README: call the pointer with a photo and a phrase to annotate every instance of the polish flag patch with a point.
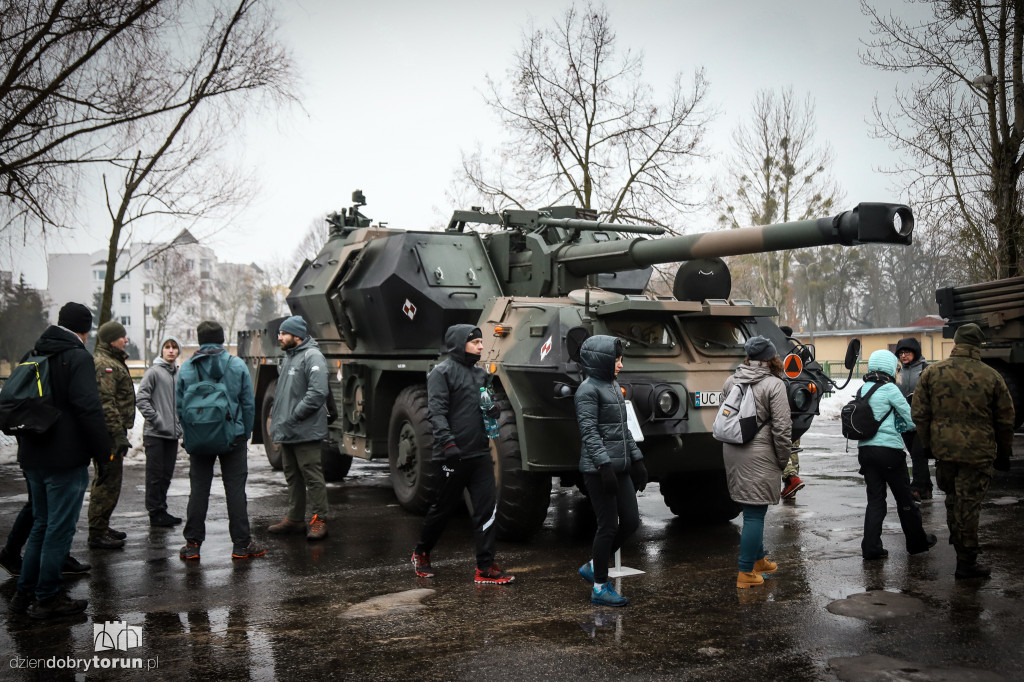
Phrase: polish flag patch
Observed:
(409, 309)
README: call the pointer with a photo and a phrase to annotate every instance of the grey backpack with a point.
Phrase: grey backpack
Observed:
(736, 421)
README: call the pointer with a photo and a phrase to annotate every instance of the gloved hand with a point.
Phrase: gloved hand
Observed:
(638, 473)
(452, 454)
(494, 411)
(608, 480)
(1002, 463)
(121, 444)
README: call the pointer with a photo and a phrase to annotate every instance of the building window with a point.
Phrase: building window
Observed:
(98, 274)
(191, 310)
(148, 265)
(126, 320)
(147, 288)
(149, 334)
(126, 298)
(190, 334)
(124, 274)
(190, 264)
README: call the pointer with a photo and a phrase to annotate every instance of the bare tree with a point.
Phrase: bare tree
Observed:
(73, 72)
(583, 127)
(312, 241)
(776, 173)
(237, 60)
(170, 279)
(961, 124)
(237, 295)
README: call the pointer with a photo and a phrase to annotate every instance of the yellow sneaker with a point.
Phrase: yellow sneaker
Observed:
(749, 579)
(765, 565)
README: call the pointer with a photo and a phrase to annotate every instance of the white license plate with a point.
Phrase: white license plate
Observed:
(708, 398)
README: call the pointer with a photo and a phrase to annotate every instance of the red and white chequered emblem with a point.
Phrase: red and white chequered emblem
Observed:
(409, 309)
(545, 349)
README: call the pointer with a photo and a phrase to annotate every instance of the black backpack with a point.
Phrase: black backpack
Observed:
(858, 420)
(26, 401)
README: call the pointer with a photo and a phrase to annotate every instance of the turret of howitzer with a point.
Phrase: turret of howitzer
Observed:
(385, 291)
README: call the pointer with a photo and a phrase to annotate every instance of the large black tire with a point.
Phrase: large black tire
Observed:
(273, 451)
(523, 497)
(414, 477)
(1013, 384)
(701, 497)
(336, 465)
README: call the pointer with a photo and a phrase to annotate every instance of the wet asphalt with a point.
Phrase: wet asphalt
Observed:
(350, 607)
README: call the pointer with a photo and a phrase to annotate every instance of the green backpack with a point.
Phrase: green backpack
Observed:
(207, 425)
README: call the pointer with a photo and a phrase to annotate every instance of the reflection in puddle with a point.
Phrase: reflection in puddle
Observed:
(604, 620)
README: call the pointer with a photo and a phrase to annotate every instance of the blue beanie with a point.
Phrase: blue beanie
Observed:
(295, 326)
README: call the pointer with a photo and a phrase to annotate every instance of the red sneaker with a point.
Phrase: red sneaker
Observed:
(493, 575)
(793, 484)
(421, 564)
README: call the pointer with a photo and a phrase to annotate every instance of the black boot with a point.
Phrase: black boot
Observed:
(965, 570)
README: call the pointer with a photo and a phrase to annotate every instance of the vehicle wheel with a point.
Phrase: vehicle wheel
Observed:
(701, 497)
(336, 465)
(414, 477)
(1013, 384)
(273, 451)
(523, 497)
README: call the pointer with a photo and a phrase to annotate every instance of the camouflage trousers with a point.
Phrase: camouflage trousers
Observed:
(965, 486)
(104, 493)
(793, 466)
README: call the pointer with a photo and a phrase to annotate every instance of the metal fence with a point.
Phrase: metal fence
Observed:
(837, 370)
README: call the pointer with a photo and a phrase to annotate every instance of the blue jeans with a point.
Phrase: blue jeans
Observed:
(57, 496)
(752, 537)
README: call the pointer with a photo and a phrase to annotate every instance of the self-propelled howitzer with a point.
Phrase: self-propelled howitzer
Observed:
(378, 300)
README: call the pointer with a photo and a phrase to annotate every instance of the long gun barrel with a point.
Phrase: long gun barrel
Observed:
(868, 223)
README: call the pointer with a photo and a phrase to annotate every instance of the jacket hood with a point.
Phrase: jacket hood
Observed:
(597, 355)
(883, 361)
(56, 339)
(455, 341)
(751, 374)
(911, 344)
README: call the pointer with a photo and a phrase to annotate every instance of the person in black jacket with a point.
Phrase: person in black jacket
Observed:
(908, 351)
(612, 464)
(56, 465)
(460, 443)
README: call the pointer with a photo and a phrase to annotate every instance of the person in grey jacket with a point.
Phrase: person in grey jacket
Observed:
(883, 462)
(752, 469)
(612, 464)
(155, 402)
(908, 351)
(462, 447)
(298, 423)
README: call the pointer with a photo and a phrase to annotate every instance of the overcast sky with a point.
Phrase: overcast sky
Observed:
(391, 92)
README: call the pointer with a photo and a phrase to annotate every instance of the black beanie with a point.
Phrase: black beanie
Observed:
(76, 317)
(209, 331)
(475, 334)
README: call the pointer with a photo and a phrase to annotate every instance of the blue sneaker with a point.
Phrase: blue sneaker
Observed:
(607, 596)
(587, 573)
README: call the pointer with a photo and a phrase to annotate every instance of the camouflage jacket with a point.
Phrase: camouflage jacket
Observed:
(963, 410)
(116, 390)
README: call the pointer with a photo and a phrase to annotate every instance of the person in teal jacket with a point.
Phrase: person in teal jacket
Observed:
(883, 462)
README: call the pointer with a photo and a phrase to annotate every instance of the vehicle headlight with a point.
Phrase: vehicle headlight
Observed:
(800, 399)
(667, 403)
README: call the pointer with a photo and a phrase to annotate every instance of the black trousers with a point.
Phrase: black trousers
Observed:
(921, 477)
(160, 456)
(477, 475)
(617, 519)
(881, 467)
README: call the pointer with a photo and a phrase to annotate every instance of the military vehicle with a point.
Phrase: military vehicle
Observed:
(998, 308)
(537, 283)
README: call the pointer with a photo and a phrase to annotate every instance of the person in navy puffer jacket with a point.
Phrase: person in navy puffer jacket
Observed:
(610, 461)
(883, 462)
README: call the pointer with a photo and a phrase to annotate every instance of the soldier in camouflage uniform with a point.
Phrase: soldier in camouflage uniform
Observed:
(964, 415)
(118, 397)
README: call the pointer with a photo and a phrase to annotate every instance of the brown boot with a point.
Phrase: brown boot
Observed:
(765, 565)
(749, 579)
(287, 526)
(317, 528)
